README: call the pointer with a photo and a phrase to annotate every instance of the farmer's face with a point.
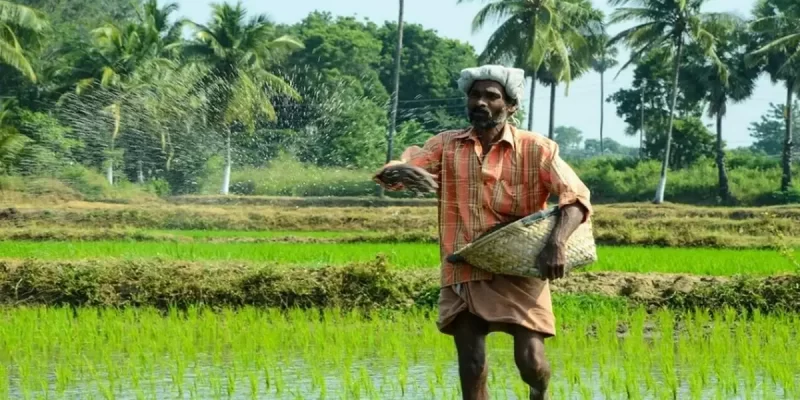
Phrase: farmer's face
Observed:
(487, 105)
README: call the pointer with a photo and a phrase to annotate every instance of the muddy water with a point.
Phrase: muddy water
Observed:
(373, 379)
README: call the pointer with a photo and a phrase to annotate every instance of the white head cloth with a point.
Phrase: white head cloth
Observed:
(512, 79)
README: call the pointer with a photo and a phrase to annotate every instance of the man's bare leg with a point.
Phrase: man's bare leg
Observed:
(532, 362)
(469, 332)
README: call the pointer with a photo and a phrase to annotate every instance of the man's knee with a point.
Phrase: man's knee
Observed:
(535, 372)
(472, 365)
(532, 363)
(470, 335)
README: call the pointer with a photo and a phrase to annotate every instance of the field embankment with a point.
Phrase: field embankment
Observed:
(372, 285)
(401, 256)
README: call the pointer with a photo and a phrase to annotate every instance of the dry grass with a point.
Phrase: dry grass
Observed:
(664, 225)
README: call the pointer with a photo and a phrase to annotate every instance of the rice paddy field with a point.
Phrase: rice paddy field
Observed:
(606, 347)
(604, 352)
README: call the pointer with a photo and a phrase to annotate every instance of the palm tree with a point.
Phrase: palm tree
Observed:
(162, 37)
(551, 74)
(547, 77)
(530, 29)
(238, 54)
(109, 65)
(578, 32)
(17, 23)
(605, 59)
(731, 35)
(160, 80)
(11, 141)
(664, 23)
(168, 105)
(777, 30)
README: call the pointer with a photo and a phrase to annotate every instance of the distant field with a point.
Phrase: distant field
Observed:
(617, 224)
(401, 255)
(200, 234)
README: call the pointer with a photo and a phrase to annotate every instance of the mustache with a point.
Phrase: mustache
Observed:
(483, 118)
(480, 112)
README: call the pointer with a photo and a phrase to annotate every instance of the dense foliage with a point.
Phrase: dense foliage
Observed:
(132, 91)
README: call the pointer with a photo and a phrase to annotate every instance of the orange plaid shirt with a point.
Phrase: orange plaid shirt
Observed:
(514, 179)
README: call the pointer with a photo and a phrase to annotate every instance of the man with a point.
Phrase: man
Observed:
(488, 174)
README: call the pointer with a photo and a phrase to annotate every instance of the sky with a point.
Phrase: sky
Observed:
(580, 108)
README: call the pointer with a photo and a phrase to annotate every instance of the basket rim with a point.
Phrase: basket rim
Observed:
(527, 220)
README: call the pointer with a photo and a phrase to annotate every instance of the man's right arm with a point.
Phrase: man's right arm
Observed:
(428, 157)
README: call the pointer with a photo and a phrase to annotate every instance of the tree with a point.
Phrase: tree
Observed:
(769, 132)
(579, 32)
(691, 140)
(115, 59)
(777, 32)
(664, 23)
(116, 70)
(105, 69)
(430, 66)
(647, 102)
(238, 83)
(168, 109)
(19, 24)
(395, 89)
(592, 147)
(345, 66)
(530, 30)
(716, 88)
(11, 141)
(68, 34)
(605, 59)
(568, 137)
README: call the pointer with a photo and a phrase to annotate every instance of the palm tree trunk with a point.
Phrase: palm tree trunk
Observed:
(786, 179)
(533, 77)
(602, 108)
(641, 128)
(662, 184)
(552, 128)
(724, 189)
(530, 102)
(139, 172)
(110, 167)
(110, 172)
(226, 179)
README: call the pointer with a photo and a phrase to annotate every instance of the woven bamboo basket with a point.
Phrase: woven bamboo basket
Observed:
(512, 249)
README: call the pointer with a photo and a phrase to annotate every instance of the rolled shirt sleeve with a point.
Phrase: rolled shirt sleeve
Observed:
(562, 181)
(427, 157)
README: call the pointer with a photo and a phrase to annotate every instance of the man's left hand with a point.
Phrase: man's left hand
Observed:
(552, 260)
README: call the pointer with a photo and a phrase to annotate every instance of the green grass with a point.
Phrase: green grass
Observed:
(401, 255)
(201, 234)
(251, 353)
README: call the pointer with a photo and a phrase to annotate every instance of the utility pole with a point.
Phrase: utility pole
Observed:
(395, 94)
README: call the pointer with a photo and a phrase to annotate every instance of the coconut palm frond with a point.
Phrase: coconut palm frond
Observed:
(11, 56)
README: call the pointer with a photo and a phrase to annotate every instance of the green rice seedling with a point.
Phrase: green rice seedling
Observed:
(251, 353)
(4, 381)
